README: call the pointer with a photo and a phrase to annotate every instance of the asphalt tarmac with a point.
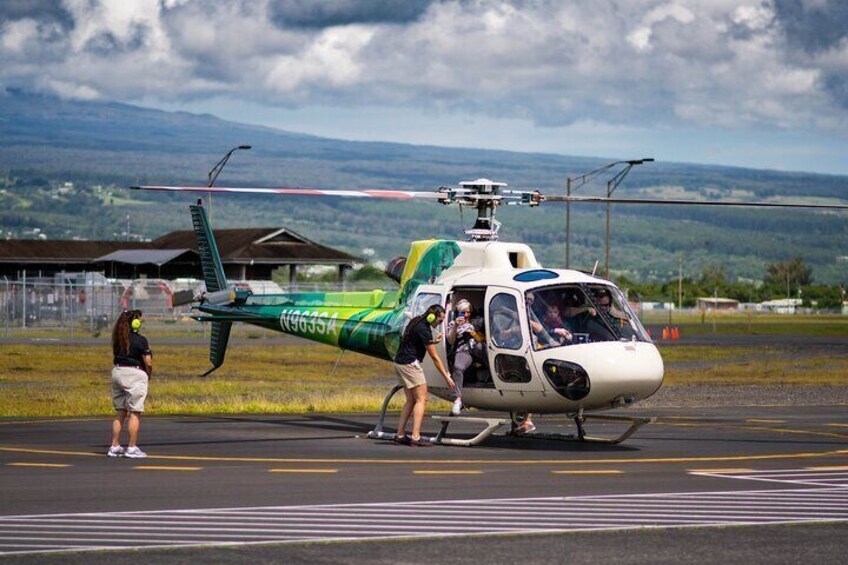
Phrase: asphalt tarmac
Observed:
(745, 484)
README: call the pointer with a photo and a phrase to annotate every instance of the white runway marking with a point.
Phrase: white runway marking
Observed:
(281, 524)
(810, 476)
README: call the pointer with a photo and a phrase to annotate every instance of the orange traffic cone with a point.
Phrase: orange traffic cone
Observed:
(665, 332)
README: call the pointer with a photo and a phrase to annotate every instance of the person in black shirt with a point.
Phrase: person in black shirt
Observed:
(133, 366)
(416, 341)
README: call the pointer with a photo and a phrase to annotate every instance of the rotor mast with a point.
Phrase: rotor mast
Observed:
(486, 196)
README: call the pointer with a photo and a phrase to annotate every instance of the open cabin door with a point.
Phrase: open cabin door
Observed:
(508, 341)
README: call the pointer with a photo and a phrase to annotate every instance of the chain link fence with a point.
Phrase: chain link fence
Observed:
(90, 301)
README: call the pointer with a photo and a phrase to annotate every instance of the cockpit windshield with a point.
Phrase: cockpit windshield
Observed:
(580, 313)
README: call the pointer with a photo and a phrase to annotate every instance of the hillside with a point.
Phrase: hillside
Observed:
(104, 147)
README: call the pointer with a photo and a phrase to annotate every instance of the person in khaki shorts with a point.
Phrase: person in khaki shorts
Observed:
(416, 341)
(133, 365)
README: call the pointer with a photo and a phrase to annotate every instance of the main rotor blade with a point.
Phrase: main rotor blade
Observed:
(601, 200)
(376, 193)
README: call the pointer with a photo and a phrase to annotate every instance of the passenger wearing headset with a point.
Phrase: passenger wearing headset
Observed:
(416, 341)
(133, 365)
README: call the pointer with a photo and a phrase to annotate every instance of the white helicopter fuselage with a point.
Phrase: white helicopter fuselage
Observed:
(613, 364)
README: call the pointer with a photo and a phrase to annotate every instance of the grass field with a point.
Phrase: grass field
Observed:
(266, 376)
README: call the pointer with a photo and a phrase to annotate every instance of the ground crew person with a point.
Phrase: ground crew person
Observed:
(133, 365)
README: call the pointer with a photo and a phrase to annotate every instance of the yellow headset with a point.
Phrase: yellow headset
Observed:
(135, 324)
(431, 318)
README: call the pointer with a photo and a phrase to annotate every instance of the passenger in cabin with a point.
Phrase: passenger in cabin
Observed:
(614, 313)
(418, 340)
(541, 338)
(506, 332)
(468, 343)
(547, 331)
(555, 326)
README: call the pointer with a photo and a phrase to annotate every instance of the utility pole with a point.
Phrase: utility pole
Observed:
(216, 170)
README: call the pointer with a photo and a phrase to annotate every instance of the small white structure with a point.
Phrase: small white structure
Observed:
(783, 305)
(718, 304)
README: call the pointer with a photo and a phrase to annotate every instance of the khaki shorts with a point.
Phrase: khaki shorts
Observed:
(410, 376)
(129, 389)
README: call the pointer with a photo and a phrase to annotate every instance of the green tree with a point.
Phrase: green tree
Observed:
(788, 275)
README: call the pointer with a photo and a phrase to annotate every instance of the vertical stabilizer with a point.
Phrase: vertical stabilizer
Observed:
(210, 259)
(215, 279)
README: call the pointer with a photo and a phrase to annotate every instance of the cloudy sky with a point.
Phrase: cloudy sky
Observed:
(755, 83)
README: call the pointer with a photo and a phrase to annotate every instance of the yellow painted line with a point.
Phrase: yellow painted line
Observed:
(446, 472)
(441, 462)
(589, 472)
(38, 464)
(164, 468)
(839, 425)
(763, 421)
(826, 468)
(761, 429)
(727, 470)
(304, 471)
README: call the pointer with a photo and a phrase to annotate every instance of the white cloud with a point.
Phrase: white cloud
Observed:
(639, 63)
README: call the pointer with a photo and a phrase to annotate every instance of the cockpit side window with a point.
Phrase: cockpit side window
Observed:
(615, 310)
(569, 314)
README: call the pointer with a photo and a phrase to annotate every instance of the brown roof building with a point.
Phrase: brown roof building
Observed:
(248, 253)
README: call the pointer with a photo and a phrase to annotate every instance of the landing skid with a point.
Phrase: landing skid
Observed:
(635, 424)
(493, 424)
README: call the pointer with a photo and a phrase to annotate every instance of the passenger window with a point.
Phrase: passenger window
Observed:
(503, 316)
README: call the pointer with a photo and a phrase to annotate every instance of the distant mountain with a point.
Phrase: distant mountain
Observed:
(104, 147)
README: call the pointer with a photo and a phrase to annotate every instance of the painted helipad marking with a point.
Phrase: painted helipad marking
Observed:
(304, 471)
(339, 522)
(447, 472)
(727, 470)
(164, 468)
(588, 472)
(443, 462)
(813, 476)
(48, 465)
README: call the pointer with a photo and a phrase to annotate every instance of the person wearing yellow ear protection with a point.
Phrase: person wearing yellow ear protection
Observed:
(133, 365)
(418, 340)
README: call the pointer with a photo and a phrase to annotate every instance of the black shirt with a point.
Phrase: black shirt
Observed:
(138, 349)
(415, 346)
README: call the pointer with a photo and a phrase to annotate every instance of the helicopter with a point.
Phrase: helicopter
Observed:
(606, 360)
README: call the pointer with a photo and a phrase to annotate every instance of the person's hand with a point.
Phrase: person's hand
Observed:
(449, 381)
(460, 320)
(439, 336)
(562, 332)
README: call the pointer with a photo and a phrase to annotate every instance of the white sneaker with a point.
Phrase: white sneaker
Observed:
(115, 451)
(457, 407)
(134, 452)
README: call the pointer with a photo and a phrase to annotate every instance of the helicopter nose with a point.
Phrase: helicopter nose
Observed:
(604, 374)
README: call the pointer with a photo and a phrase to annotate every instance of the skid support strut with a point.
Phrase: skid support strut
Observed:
(492, 425)
(580, 419)
(377, 432)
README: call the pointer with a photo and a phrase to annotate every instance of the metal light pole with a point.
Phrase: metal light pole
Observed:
(612, 184)
(575, 182)
(216, 170)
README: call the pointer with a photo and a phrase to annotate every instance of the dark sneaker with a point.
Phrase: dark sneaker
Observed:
(403, 440)
(420, 442)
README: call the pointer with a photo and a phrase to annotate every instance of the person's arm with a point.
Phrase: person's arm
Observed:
(452, 331)
(148, 364)
(431, 350)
